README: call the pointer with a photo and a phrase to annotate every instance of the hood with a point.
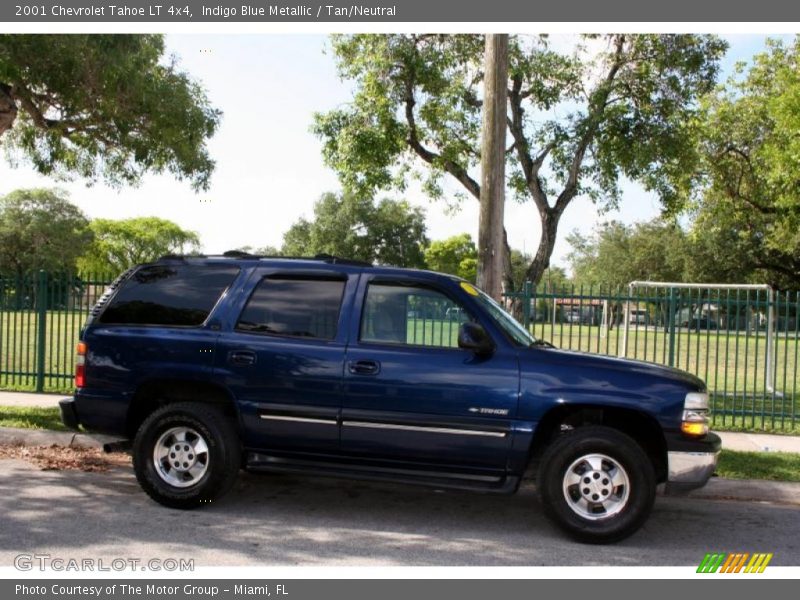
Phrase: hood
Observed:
(609, 367)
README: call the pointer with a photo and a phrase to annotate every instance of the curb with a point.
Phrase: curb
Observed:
(749, 490)
(47, 437)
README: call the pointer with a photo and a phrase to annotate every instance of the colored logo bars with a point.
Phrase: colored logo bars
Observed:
(734, 563)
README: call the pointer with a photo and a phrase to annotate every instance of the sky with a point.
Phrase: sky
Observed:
(269, 167)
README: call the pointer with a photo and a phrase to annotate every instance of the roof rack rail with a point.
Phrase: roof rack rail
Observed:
(337, 260)
(238, 254)
(234, 254)
(171, 257)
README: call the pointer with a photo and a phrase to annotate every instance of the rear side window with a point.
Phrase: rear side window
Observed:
(176, 295)
(307, 308)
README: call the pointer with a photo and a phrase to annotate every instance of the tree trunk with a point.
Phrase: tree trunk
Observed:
(508, 274)
(491, 242)
(549, 220)
(8, 109)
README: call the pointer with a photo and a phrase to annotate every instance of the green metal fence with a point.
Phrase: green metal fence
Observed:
(41, 315)
(742, 340)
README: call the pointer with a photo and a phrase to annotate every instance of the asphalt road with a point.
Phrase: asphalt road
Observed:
(280, 519)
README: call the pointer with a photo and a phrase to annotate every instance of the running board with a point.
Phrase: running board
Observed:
(456, 481)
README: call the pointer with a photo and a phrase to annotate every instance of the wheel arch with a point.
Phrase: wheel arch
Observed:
(643, 428)
(156, 393)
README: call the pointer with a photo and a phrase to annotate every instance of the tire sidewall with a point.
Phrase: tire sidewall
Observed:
(208, 424)
(622, 449)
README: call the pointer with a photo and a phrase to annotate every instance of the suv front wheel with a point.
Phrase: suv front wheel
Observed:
(597, 484)
(186, 454)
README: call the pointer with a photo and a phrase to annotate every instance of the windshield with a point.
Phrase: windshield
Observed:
(505, 321)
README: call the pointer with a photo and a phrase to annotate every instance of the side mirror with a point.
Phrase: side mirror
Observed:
(472, 336)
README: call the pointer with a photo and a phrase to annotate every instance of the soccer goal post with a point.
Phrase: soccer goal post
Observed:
(671, 286)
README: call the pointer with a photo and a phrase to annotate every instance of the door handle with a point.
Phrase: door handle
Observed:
(242, 357)
(364, 367)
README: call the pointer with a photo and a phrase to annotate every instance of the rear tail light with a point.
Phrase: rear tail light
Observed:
(695, 415)
(80, 365)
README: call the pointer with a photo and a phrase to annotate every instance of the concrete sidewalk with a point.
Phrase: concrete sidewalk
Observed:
(30, 399)
(743, 442)
(45, 437)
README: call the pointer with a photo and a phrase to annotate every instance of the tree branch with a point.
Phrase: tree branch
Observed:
(736, 192)
(530, 166)
(33, 111)
(777, 265)
(8, 108)
(432, 158)
(591, 125)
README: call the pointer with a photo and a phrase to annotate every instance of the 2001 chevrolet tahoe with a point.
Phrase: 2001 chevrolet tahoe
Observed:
(329, 366)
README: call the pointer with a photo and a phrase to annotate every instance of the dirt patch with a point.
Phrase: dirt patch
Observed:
(60, 458)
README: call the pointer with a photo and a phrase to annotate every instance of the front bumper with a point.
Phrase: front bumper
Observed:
(690, 464)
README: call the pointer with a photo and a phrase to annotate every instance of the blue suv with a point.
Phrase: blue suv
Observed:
(334, 367)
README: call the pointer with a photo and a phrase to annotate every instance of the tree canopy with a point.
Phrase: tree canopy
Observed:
(745, 198)
(40, 229)
(390, 232)
(610, 107)
(121, 244)
(456, 255)
(108, 107)
(616, 254)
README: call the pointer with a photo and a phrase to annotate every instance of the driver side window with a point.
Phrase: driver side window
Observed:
(410, 315)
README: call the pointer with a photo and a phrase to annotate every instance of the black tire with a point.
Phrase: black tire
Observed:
(214, 470)
(624, 502)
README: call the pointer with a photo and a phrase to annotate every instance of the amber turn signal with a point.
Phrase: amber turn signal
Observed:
(694, 428)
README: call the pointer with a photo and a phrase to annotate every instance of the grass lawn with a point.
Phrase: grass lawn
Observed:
(31, 418)
(775, 466)
(752, 424)
(18, 340)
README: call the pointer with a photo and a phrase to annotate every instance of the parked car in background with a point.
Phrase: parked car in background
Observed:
(699, 323)
(638, 316)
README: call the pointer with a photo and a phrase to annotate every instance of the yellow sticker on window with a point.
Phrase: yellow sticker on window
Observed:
(469, 288)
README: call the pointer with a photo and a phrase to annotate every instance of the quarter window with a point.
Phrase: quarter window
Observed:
(306, 308)
(411, 315)
(172, 295)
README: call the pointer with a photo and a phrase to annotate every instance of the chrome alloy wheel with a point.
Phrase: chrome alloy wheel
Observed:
(596, 487)
(181, 457)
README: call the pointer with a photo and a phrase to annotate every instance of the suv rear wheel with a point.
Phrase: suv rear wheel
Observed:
(597, 484)
(186, 454)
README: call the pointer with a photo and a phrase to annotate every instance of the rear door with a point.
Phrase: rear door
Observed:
(157, 326)
(283, 358)
(413, 396)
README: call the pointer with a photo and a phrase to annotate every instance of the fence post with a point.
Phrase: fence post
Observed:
(41, 329)
(671, 326)
(526, 308)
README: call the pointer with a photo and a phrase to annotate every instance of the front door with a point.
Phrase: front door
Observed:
(411, 395)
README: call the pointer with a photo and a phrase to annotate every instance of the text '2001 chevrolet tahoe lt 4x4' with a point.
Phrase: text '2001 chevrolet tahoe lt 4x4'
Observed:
(329, 366)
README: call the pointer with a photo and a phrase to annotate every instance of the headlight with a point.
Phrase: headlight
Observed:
(695, 415)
